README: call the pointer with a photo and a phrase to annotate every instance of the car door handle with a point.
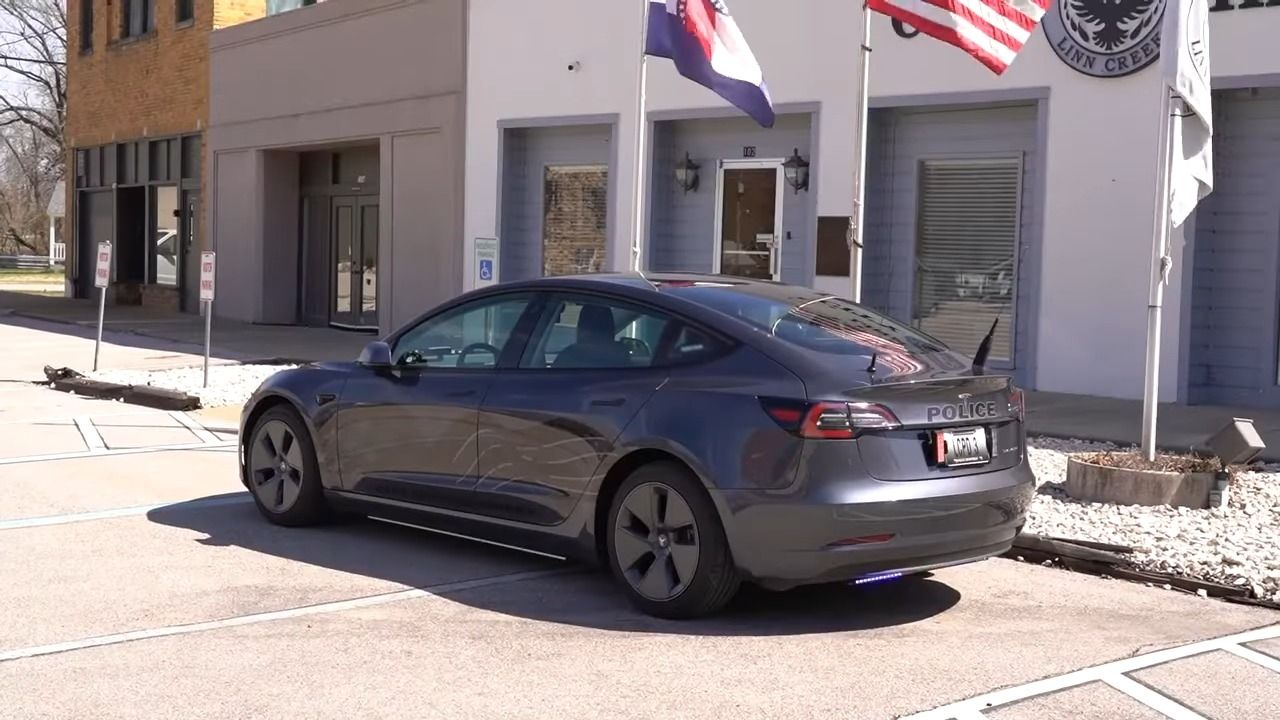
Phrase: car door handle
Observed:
(609, 402)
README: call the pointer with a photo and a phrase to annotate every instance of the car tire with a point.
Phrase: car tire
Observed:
(666, 545)
(282, 472)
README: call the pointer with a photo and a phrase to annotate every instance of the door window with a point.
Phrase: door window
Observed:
(581, 333)
(749, 222)
(472, 336)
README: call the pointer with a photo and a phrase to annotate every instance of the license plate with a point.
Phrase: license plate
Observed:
(958, 448)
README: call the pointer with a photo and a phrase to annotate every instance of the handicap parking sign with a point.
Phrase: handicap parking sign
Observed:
(486, 269)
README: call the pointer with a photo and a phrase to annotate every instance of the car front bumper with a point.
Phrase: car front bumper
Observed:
(863, 528)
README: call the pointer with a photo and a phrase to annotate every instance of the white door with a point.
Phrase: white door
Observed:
(748, 239)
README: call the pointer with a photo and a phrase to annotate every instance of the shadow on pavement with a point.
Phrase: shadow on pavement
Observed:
(588, 598)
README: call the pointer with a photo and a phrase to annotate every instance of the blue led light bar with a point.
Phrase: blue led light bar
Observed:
(877, 578)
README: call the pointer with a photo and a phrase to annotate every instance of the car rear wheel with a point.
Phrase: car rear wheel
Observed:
(667, 546)
(284, 475)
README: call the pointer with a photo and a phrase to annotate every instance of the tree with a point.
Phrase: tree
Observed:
(33, 104)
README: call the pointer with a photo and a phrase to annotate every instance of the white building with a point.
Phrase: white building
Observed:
(1029, 196)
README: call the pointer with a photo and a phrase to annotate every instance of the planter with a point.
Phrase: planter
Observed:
(1123, 486)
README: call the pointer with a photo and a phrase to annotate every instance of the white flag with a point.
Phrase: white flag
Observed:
(1184, 60)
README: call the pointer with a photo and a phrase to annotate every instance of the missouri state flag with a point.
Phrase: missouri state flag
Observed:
(704, 42)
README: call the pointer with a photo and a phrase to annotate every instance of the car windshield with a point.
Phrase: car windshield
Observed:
(812, 320)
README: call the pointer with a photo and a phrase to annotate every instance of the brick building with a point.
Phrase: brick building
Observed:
(137, 110)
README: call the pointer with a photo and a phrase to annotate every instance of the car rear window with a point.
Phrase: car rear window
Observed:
(812, 320)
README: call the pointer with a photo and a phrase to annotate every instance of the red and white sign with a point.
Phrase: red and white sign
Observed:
(206, 276)
(102, 270)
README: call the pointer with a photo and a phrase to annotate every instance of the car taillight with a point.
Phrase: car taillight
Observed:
(1018, 403)
(828, 420)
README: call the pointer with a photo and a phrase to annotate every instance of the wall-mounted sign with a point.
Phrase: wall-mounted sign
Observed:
(1223, 5)
(1105, 38)
(749, 151)
(486, 261)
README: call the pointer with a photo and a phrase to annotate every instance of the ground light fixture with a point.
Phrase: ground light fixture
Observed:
(796, 170)
(687, 174)
(1237, 443)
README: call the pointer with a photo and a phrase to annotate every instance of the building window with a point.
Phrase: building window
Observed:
(833, 246)
(967, 237)
(86, 25)
(574, 210)
(138, 17)
(275, 7)
(166, 239)
(184, 11)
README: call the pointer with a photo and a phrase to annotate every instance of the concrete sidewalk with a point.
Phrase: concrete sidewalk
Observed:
(231, 340)
(1181, 428)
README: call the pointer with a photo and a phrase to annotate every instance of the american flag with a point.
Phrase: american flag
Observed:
(993, 31)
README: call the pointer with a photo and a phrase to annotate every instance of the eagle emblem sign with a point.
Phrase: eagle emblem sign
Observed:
(1105, 38)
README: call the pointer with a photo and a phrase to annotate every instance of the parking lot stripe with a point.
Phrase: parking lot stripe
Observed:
(195, 427)
(428, 592)
(997, 698)
(1160, 703)
(121, 451)
(92, 438)
(1255, 657)
(68, 518)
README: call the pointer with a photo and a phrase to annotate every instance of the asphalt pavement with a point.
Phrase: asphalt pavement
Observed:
(140, 582)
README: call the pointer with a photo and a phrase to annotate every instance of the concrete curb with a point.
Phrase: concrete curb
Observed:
(145, 395)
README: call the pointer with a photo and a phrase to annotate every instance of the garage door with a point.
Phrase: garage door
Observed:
(1236, 265)
(950, 208)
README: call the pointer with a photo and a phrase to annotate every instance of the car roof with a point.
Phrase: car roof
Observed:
(659, 282)
(656, 289)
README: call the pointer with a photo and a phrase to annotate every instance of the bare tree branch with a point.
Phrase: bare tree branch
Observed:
(33, 82)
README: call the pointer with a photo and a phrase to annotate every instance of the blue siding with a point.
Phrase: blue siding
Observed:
(682, 226)
(1235, 294)
(526, 152)
(897, 141)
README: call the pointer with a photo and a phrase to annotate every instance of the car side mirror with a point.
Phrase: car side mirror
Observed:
(376, 354)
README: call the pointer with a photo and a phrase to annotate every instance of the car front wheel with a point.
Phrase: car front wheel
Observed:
(283, 473)
(667, 546)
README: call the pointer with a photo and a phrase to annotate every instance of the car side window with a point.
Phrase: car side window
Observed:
(472, 336)
(591, 333)
(691, 345)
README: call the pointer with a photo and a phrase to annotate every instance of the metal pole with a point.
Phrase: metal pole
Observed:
(637, 208)
(856, 231)
(208, 331)
(102, 311)
(1160, 263)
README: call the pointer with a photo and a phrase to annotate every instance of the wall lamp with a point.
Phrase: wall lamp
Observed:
(796, 170)
(687, 174)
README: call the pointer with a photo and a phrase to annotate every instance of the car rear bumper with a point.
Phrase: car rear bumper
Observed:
(872, 527)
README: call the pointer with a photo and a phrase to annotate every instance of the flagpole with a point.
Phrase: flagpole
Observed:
(637, 207)
(1159, 268)
(856, 232)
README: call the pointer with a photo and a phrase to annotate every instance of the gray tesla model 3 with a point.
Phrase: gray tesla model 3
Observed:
(691, 432)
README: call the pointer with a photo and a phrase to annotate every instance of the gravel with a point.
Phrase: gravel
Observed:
(228, 384)
(1235, 545)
